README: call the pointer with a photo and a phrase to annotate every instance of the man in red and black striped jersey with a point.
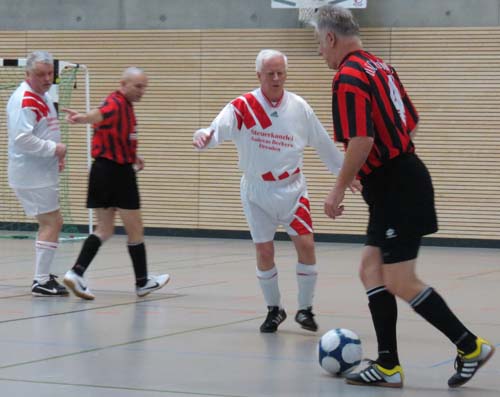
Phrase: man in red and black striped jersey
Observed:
(375, 119)
(113, 184)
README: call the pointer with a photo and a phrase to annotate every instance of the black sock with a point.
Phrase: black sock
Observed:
(384, 310)
(138, 254)
(431, 306)
(87, 253)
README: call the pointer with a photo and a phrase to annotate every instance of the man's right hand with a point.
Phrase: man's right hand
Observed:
(332, 205)
(73, 117)
(92, 117)
(201, 138)
(60, 151)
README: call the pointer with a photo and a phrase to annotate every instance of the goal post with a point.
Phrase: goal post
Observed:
(13, 221)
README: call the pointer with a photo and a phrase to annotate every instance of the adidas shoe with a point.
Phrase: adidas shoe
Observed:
(49, 288)
(305, 318)
(153, 283)
(467, 365)
(376, 375)
(77, 285)
(275, 316)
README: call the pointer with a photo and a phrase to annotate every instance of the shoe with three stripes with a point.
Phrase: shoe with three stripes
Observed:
(376, 375)
(275, 316)
(305, 318)
(467, 365)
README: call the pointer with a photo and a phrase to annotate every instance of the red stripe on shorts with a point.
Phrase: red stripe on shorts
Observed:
(305, 215)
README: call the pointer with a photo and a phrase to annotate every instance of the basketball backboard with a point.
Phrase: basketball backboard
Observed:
(317, 3)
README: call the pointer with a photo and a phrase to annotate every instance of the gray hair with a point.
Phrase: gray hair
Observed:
(38, 56)
(264, 55)
(131, 72)
(335, 19)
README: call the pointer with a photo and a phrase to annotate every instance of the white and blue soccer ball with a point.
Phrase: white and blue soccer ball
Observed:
(339, 351)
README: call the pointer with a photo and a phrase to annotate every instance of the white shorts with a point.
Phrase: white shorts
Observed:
(38, 201)
(268, 205)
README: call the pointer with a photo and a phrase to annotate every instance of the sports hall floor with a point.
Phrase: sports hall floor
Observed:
(199, 336)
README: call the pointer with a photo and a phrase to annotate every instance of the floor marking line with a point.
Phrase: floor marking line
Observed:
(118, 388)
(132, 342)
(89, 308)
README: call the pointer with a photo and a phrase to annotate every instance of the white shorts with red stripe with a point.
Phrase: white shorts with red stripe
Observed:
(269, 204)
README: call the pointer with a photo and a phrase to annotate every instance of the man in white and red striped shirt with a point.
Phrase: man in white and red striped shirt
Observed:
(271, 127)
(36, 156)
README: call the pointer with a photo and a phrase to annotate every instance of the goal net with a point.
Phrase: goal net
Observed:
(13, 221)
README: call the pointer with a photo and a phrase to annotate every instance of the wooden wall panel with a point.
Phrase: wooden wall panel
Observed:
(452, 74)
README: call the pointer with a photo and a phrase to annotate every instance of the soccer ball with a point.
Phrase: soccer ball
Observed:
(339, 351)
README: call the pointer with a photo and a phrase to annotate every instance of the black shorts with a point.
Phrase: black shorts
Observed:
(112, 185)
(400, 198)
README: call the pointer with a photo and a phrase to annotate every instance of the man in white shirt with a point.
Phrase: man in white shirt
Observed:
(271, 127)
(36, 156)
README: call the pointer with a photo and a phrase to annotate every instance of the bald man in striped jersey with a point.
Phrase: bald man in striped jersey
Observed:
(113, 184)
(271, 127)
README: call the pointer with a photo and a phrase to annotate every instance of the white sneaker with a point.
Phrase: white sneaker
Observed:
(77, 285)
(154, 283)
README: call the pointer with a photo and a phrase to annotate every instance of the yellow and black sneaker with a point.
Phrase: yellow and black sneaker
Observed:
(376, 375)
(468, 364)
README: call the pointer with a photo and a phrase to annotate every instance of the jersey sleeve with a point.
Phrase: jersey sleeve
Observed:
(24, 141)
(351, 107)
(319, 139)
(224, 126)
(108, 110)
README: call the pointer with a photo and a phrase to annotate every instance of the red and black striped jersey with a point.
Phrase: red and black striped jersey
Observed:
(115, 137)
(369, 100)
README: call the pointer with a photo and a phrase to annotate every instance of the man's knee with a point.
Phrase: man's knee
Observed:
(307, 244)
(59, 221)
(370, 269)
(265, 255)
(305, 247)
(53, 220)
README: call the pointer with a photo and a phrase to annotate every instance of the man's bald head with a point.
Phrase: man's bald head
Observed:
(133, 83)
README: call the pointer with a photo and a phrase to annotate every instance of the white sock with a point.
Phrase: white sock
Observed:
(306, 281)
(45, 251)
(268, 281)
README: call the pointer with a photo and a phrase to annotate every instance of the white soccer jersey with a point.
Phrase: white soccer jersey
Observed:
(33, 134)
(271, 138)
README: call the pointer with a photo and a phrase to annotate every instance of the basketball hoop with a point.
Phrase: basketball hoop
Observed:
(306, 14)
(307, 8)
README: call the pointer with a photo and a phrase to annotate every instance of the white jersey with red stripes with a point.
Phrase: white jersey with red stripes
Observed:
(33, 134)
(271, 137)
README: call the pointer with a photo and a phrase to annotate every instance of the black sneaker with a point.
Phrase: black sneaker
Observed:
(305, 318)
(50, 288)
(275, 316)
(468, 364)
